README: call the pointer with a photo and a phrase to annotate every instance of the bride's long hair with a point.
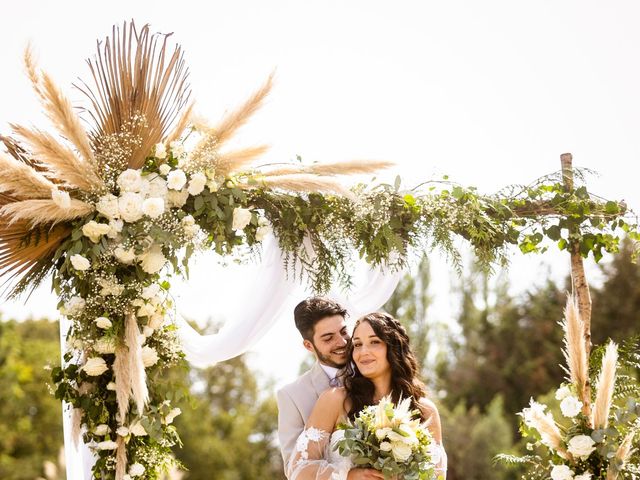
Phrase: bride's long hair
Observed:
(404, 367)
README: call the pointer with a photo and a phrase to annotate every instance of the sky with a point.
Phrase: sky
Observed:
(489, 93)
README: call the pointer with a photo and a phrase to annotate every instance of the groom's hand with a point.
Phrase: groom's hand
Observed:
(364, 474)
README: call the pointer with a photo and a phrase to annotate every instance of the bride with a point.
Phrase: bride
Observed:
(380, 363)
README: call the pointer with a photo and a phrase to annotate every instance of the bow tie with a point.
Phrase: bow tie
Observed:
(335, 382)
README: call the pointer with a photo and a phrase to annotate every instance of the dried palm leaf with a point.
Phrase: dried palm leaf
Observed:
(60, 162)
(237, 118)
(181, 125)
(302, 183)
(58, 108)
(604, 387)
(44, 212)
(137, 92)
(21, 181)
(352, 167)
(574, 351)
(17, 151)
(234, 161)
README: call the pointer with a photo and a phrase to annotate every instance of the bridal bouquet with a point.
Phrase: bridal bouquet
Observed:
(391, 439)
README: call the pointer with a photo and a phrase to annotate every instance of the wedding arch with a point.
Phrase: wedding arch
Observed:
(113, 211)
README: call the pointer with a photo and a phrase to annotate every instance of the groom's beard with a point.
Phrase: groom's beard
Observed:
(332, 359)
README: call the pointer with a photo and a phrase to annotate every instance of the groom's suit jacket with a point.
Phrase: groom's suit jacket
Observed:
(295, 403)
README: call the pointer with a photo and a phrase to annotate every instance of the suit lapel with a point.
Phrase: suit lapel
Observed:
(319, 379)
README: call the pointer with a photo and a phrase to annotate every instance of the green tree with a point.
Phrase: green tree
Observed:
(30, 417)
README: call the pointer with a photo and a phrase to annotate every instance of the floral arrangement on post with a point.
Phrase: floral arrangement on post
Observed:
(594, 440)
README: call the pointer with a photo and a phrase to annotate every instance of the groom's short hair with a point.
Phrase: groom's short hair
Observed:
(310, 311)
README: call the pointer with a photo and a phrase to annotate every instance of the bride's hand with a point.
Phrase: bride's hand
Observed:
(364, 474)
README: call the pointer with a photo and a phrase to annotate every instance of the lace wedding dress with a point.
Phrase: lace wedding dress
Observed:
(314, 457)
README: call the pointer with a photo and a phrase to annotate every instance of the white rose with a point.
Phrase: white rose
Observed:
(136, 470)
(137, 429)
(153, 259)
(176, 180)
(115, 227)
(188, 221)
(400, 451)
(103, 322)
(382, 432)
(197, 183)
(171, 415)
(581, 446)
(124, 256)
(385, 446)
(262, 232)
(561, 472)
(130, 181)
(61, 198)
(101, 429)
(160, 151)
(80, 263)
(108, 445)
(583, 476)
(156, 321)
(95, 230)
(570, 406)
(147, 331)
(177, 198)
(176, 148)
(95, 366)
(241, 218)
(562, 393)
(150, 291)
(130, 206)
(108, 206)
(149, 356)
(105, 345)
(74, 306)
(111, 386)
(153, 207)
(157, 187)
(164, 169)
(146, 310)
(122, 431)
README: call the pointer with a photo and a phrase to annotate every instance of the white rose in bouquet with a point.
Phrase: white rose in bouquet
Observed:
(262, 232)
(164, 169)
(130, 181)
(103, 322)
(124, 256)
(105, 345)
(150, 291)
(95, 366)
(157, 187)
(130, 206)
(111, 386)
(137, 429)
(241, 218)
(177, 198)
(101, 429)
(149, 356)
(156, 321)
(160, 151)
(401, 451)
(176, 148)
(80, 263)
(561, 472)
(108, 206)
(136, 470)
(122, 431)
(153, 207)
(176, 180)
(197, 183)
(570, 406)
(153, 259)
(107, 445)
(61, 198)
(115, 227)
(562, 393)
(95, 230)
(581, 446)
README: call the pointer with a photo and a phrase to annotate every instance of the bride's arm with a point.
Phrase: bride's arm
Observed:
(433, 417)
(310, 458)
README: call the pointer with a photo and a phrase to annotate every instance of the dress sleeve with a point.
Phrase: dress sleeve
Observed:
(310, 460)
(439, 457)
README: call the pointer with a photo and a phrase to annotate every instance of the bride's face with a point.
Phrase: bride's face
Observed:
(369, 352)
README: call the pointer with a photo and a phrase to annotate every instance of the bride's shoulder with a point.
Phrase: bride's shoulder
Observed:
(428, 407)
(335, 395)
(328, 408)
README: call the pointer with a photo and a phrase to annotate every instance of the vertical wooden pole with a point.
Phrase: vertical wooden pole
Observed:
(579, 283)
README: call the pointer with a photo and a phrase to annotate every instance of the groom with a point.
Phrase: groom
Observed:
(321, 322)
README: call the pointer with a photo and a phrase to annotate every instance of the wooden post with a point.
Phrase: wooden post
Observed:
(579, 283)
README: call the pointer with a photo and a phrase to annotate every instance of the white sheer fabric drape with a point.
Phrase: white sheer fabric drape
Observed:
(270, 294)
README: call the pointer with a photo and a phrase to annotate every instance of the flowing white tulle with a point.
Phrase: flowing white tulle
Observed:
(270, 295)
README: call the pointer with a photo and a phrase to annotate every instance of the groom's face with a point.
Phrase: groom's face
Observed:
(329, 343)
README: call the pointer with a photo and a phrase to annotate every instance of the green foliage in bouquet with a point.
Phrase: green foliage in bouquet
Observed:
(391, 440)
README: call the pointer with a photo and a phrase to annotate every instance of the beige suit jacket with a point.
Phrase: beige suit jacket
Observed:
(295, 403)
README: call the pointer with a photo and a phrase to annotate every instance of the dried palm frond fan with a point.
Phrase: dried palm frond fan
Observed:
(138, 97)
